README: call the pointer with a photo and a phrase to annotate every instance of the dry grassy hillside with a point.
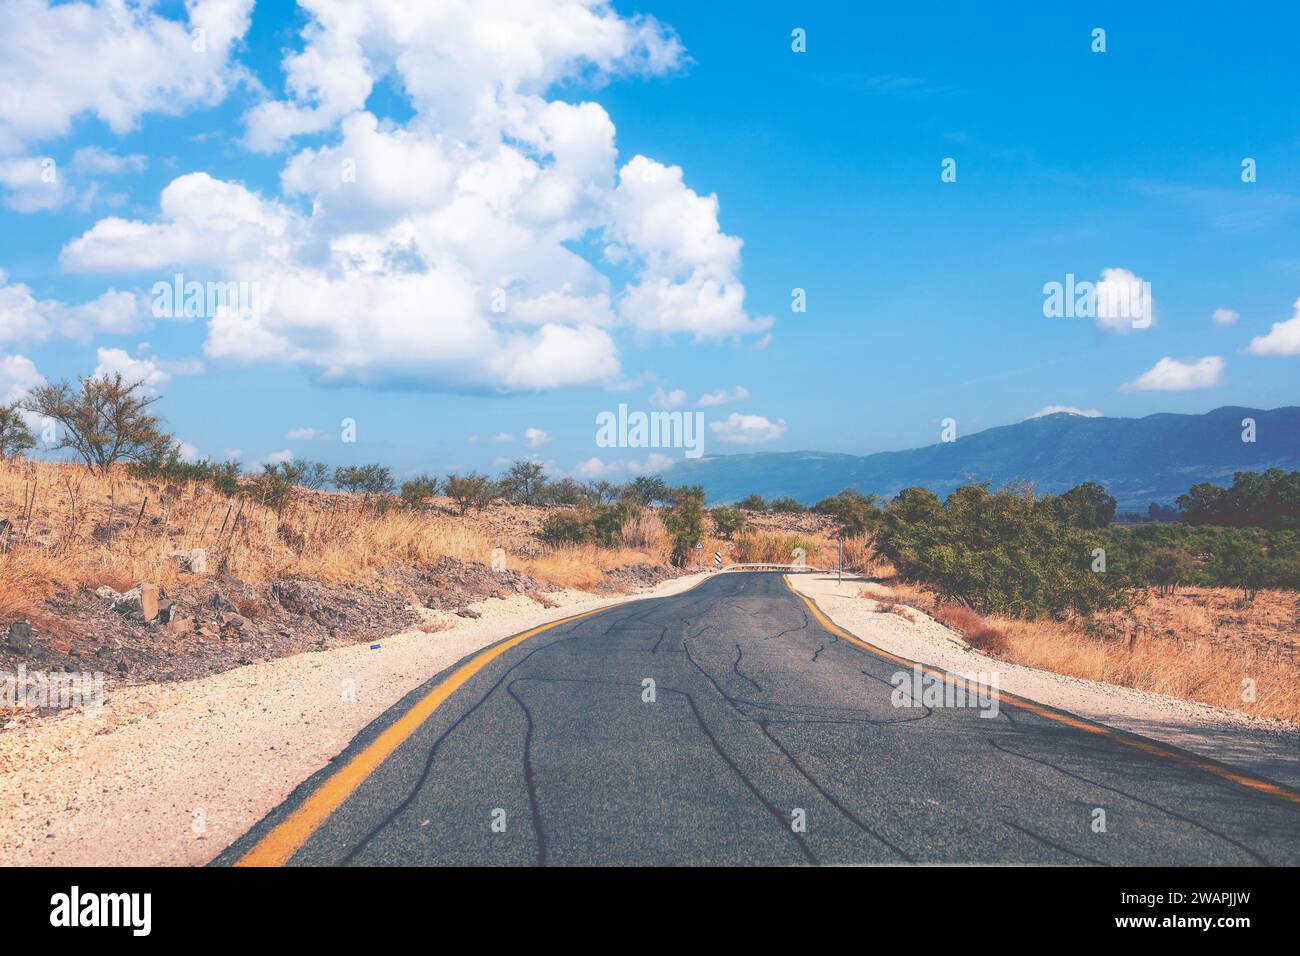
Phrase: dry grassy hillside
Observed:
(1204, 644)
(322, 569)
(331, 568)
(72, 529)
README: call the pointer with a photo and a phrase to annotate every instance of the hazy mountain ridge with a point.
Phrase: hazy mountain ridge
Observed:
(1138, 460)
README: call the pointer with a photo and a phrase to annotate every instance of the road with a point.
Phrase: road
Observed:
(767, 739)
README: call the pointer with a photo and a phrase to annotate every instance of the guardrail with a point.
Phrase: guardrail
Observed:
(774, 567)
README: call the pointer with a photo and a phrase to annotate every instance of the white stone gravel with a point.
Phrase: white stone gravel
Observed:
(170, 774)
(1269, 748)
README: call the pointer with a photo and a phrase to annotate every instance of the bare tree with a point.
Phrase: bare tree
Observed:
(102, 419)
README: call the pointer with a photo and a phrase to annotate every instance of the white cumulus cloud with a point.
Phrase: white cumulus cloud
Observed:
(146, 370)
(1172, 375)
(1067, 409)
(1124, 302)
(474, 65)
(33, 184)
(689, 269)
(464, 277)
(1225, 317)
(1282, 339)
(440, 252)
(109, 59)
(595, 469)
(738, 429)
(723, 397)
(105, 162)
(25, 318)
(205, 222)
(18, 376)
(668, 400)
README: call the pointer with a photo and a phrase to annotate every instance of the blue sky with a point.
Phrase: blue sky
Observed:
(924, 297)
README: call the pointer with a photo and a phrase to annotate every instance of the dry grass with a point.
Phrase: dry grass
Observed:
(1270, 622)
(765, 547)
(821, 549)
(645, 531)
(74, 529)
(580, 566)
(977, 630)
(1193, 656)
(859, 555)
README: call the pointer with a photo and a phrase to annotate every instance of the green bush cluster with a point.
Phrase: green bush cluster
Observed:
(594, 524)
(854, 513)
(729, 522)
(1007, 552)
(1166, 556)
(1270, 499)
(15, 436)
(1014, 553)
(684, 520)
(166, 464)
(417, 490)
(790, 506)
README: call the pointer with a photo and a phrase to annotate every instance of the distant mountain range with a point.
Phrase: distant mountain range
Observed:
(1138, 460)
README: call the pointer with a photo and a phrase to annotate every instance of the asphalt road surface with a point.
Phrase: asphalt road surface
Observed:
(769, 740)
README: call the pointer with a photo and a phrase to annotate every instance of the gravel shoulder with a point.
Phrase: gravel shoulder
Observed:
(1268, 748)
(171, 773)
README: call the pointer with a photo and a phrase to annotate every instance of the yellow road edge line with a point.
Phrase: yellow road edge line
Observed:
(1140, 743)
(287, 837)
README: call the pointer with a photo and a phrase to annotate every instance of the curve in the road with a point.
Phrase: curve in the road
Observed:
(762, 739)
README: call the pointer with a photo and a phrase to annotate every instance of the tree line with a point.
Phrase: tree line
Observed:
(1025, 555)
(1010, 550)
(1269, 499)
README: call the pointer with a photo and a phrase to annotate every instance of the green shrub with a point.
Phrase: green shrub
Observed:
(1002, 552)
(524, 483)
(597, 524)
(788, 506)
(566, 491)
(365, 479)
(167, 465)
(305, 474)
(1086, 506)
(685, 521)
(15, 436)
(419, 489)
(1215, 556)
(271, 488)
(1267, 500)
(647, 490)
(855, 514)
(606, 523)
(729, 522)
(1167, 568)
(564, 527)
(470, 491)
